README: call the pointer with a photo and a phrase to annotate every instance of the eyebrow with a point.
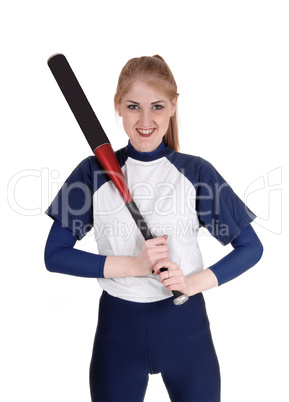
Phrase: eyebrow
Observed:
(153, 103)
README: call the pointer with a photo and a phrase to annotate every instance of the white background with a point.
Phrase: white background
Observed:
(230, 60)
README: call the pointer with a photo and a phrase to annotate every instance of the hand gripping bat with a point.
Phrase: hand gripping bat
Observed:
(98, 142)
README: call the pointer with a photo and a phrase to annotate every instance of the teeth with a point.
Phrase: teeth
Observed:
(145, 131)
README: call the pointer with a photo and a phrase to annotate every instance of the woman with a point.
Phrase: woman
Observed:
(140, 331)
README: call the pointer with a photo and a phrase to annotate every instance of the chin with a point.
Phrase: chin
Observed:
(146, 145)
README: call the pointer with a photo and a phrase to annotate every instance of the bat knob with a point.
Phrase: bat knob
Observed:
(180, 300)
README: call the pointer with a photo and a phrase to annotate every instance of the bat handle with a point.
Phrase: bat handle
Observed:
(179, 298)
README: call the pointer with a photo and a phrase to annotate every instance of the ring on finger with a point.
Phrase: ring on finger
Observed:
(170, 274)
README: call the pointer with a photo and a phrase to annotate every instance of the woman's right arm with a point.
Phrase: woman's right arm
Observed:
(61, 256)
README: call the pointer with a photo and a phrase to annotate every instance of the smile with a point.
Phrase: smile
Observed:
(145, 133)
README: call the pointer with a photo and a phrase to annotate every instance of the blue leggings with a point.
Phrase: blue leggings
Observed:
(134, 340)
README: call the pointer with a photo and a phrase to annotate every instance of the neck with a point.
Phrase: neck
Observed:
(161, 151)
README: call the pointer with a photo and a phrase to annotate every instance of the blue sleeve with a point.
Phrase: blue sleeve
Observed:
(219, 208)
(247, 252)
(73, 205)
(61, 257)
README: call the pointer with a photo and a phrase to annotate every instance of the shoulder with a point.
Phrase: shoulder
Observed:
(192, 166)
(86, 173)
(90, 172)
(88, 163)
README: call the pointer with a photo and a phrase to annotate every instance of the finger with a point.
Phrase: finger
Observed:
(158, 250)
(175, 283)
(157, 254)
(157, 259)
(158, 241)
(169, 276)
(176, 286)
(166, 263)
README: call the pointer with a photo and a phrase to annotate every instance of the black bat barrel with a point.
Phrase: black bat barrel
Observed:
(77, 101)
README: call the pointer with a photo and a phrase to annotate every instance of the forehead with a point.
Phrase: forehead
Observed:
(142, 91)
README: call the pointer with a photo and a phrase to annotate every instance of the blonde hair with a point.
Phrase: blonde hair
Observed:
(155, 72)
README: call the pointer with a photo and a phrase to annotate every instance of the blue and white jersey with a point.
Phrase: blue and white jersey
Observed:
(176, 193)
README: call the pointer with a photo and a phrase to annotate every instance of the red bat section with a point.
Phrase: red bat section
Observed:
(106, 157)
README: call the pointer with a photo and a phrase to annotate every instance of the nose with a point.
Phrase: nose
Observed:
(146, 119)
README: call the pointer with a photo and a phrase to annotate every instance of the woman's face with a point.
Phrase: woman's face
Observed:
(145, 116)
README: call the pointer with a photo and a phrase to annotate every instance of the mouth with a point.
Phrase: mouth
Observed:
(145, 133)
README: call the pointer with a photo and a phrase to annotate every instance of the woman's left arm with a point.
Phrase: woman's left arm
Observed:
(247, 252)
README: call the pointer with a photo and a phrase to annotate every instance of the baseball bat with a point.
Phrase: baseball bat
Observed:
(98, 142)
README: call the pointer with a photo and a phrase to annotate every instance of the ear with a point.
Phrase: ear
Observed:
(118, 109)
(174, 105)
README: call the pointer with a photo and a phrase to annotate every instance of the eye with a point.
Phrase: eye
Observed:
(133, 107)
(158, 107)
